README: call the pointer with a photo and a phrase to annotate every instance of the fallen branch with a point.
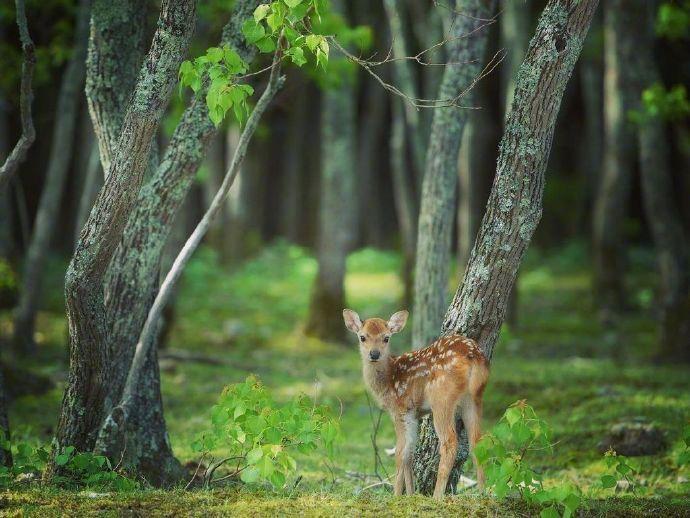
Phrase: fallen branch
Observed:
(28, 135)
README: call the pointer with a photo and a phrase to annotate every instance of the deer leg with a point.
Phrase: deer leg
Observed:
(444, 424)
(411, 431)
(472, 418)
(399, 451)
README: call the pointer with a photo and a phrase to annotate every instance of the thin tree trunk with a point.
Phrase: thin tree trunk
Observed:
(370, 164)
(515, 202)
(336, 219)
(26, 139)
(437, 210)
(5, 454)
(91, 364)
(620, 53)
(295, 150)
(663, 217)
(58, 163)
(237, 205)
(133, 281)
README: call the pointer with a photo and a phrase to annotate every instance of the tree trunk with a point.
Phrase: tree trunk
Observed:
(237, 205)
(337, 211)
(295, 150)
(5, 454)
(663, 216)
(515, 202)
(92, 367)
(437, 210)
(370, 165)
(133, 282)
(58, 163)
(620, 53)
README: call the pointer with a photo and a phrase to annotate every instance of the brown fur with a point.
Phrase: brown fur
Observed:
(449, 374)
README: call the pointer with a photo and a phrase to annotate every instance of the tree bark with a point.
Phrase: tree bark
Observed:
(93, 181)
(337, 217)
(58, 162)
(28, 135)
(437, 211)
(620, 54)
(91, 365)
(133, 282)
(515, 202)
(663, 216)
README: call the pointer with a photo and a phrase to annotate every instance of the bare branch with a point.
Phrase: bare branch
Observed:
(18, 154)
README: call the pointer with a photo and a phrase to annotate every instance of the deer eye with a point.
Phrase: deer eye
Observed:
(362, 339)
(386, 338)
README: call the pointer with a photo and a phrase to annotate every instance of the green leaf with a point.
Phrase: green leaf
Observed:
(215, 54)
(260, 12)
(249, 475)
(292, 3)
(277, 479)
(296, 55)
(312, 41)
(608, 481)
(253, 31)
(255, 455)
(266, 44)
(550, 512)
(513, 415)
(265, 466)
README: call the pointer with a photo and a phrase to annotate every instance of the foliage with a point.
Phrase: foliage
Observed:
(673, 20)
(502, 454)
(262, 437)
(78, 469)
(620, 470)
(659, 102)
(284, 23)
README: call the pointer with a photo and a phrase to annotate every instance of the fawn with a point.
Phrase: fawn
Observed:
(450, 373)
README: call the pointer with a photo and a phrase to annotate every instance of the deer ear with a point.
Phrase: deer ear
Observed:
(352, 320)
(397, 322)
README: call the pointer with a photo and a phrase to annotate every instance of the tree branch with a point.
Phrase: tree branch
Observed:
(18, 154)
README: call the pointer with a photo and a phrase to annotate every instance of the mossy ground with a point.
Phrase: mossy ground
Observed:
(580, 376)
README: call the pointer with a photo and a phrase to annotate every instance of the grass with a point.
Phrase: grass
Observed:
(580, 377)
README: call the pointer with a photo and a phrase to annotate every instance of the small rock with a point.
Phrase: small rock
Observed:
(634, 439)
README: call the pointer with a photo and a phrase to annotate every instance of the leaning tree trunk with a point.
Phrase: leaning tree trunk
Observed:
(663, 217)
(133, 283)
(620, 54)
(515, 202)
(337, 210)
(434, 235)
(58, 163)
(92, 366)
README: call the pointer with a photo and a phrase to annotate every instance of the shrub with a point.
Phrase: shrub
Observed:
(260, 437)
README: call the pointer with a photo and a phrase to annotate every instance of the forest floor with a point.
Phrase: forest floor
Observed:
(579, 376)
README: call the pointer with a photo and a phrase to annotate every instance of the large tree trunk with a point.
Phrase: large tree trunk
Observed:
(133, 283)
(93, 366)
(436, 215)
(515, 202)
(337, 217)
(58, 163)
(663, 217)
(620, 53)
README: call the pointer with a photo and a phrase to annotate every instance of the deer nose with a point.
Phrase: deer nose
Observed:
(375, 354)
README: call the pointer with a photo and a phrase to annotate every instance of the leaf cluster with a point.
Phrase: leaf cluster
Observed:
(262, 437)
(502, 453)
(619, 469)
(76, 469)
(673, 20)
